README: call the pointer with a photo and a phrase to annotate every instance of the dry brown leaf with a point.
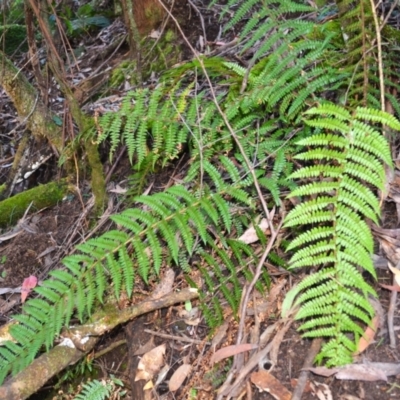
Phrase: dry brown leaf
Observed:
(230, 351)
(390, 369)
(118, 189)
(322, 391)
(266, 382)
(396, 273)
(151, 363)
(368, 336)
(145, 348)
(220, 334)
(322, 371)
(307, 388)
(250, 236)
(361, 372)
(192, 322)
(179, 376)
(163, 373)
(165, 286)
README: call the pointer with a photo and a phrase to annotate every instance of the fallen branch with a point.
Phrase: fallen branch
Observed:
(80, 340)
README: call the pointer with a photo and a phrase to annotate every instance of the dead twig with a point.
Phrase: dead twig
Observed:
(172, 337)
(390, 315)
(228, 389)
(308, 363)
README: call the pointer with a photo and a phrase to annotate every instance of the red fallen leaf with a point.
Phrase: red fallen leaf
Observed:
(27, 286)
(230, 351)
(394, 288)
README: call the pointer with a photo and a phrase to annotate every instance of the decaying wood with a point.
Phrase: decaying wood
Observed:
(79, 341)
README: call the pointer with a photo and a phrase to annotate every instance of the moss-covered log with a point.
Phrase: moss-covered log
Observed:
(41, 196)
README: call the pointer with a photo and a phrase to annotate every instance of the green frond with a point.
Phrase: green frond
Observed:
(94, 390)
(295, 64)
(312, 235)
(334, 300)
(329, 123)
(321, 154)
(375, 115)
(328, 139)
(339, 113)
(126, 264)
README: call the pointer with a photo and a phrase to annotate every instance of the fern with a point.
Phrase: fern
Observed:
(95, 390)
(294, 66)
(347, 156)
(171, 223)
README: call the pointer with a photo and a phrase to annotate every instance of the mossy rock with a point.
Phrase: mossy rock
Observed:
(14, 36)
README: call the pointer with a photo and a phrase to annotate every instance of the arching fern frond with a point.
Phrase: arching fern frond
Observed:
(348, 155)
(167, 225)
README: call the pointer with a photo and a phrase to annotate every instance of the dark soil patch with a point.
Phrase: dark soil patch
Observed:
(30, 252)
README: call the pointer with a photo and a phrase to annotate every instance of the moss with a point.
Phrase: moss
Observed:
(12, 36)
(41, 196)
(124, 71)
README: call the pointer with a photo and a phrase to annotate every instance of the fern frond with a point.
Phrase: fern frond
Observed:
(95, 390)
(166, 224)
(338, 240)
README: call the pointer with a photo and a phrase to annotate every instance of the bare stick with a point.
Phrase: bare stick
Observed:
(180, 338)
(380, 63)
(308, 363)
(390, 316)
